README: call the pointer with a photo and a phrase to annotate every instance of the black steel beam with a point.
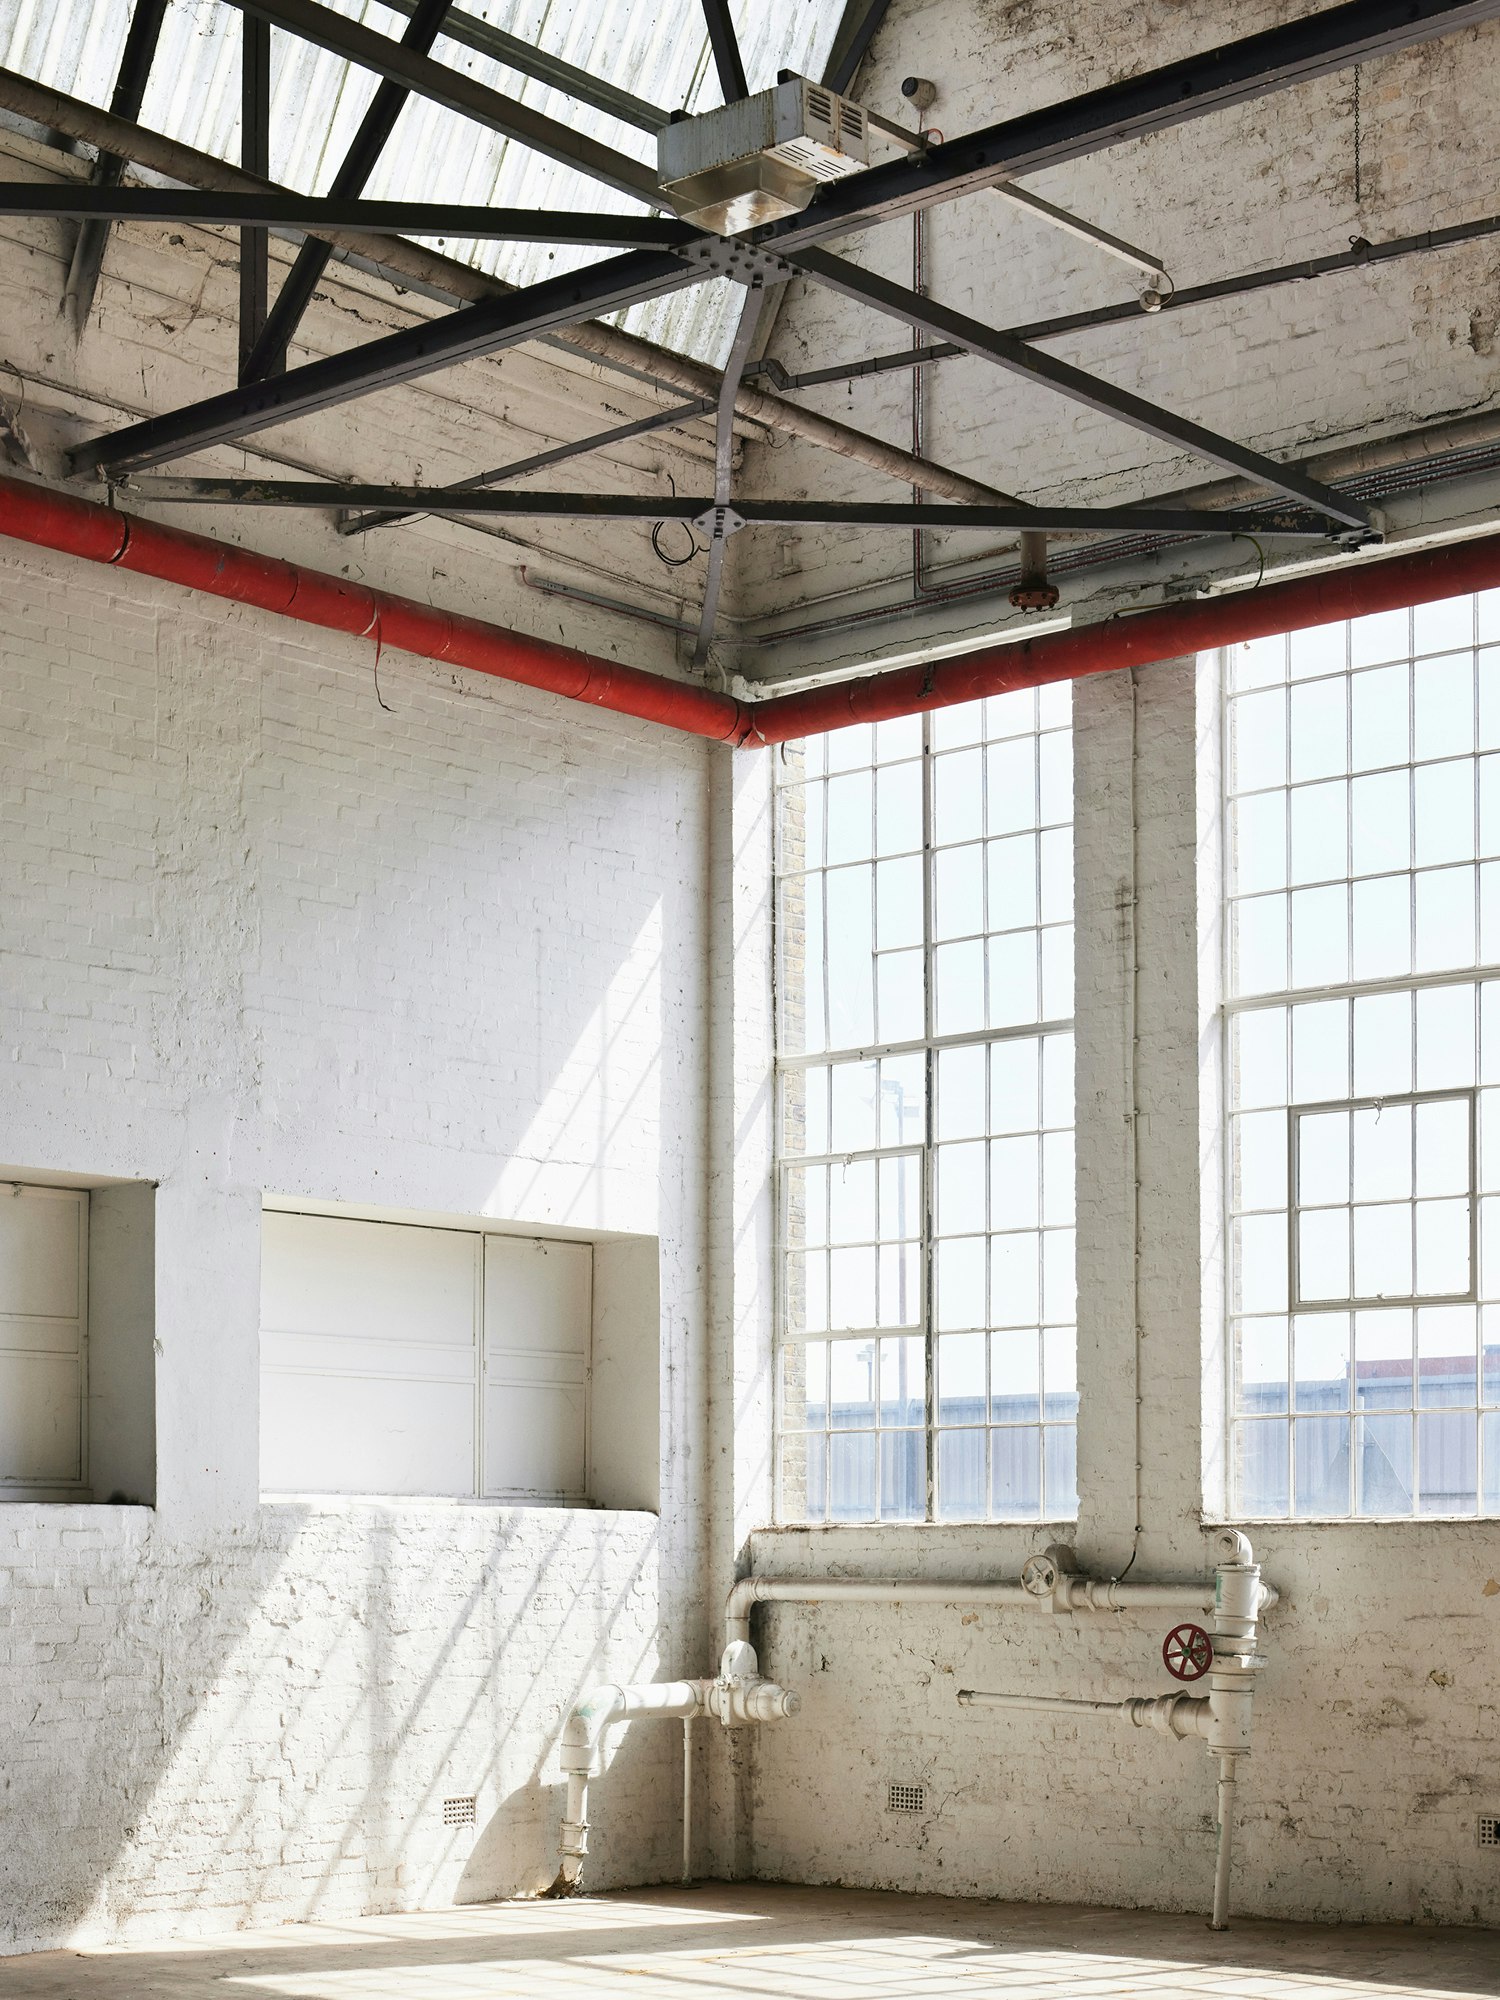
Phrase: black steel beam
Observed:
(255, 158)
(457, 92)
(277, 210)
(528, 60)
(267, 355)
(659, 420)
(1144, 519)
(476, 330)
(1362, 254)
(726, 50)
(136, 57)
(1217, 80)
(991, 344)
(855, 33)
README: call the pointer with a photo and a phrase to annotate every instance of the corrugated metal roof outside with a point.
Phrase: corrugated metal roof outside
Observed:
(657, 49)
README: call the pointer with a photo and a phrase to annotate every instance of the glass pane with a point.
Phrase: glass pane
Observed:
(1258, 1071)
(1379, 716)
(1012, 774)
(1490, 1440)
(1258, 934)
(1447, 1462)
(851, 1384)
(1383, 1044)
(1016, 1474)
(1015, 1377)
(1380, 914)
(851, 1288)
(961, 1379)
(1320, 1458)
(1443, 712)
(851, 1476)
(1059, 1275)
(1262, 1468)
(1443, 1147)
(900, 996)
(898, 809)
(898, 903)
(1260, 1264)
(961, 1090)
(1383, 1251)
(1382, 1466)
(958, 971)
(958, 892)
(958, 796)
(1260, 1366)
(1319, 730)
(1060, 1465)
(1320, 1351)
(1383, 1359)
(903, 1476)
(1445, 920)
(851, 990)
(1014, 984)
(1380, 813)
(1060, 1373)
(855, 1093)
(1322, 1255)
(1445, 1037)
(1444, 800)
(1258, 842)
(903, 1383)
(1058, 1178)
(851, 825)
(1321, 649)
(961, 1281)
(1320, 936)
(1257, 735)
(1320, 1052)
(900, 1284)
(847, 749)
(1383, 1153)
(1446, 1357)
(1449, 622)
(1015, 1183)
(1013, 1088)
(851, 1192)
(1015, 1280)
(903, 1100)
(1257, 662)
(1322, 1157)
(1320, 833)
(901, 1199)
(1384, 635)
(960, 1481)
(1011, 869)
(1442, 1249)
(960, 1189)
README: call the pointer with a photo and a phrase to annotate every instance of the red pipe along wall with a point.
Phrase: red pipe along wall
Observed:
(30, 513)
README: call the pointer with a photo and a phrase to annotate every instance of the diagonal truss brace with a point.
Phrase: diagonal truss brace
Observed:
(990, 344)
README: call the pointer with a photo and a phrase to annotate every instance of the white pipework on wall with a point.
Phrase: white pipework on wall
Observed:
(1221, 1718)
(742, 1697)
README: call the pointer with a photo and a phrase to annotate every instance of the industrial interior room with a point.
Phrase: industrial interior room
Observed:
(750, 974)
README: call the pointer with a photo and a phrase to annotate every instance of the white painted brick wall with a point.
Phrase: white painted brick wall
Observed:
(258, 933)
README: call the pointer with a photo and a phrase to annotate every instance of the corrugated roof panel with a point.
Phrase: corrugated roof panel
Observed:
(656, 49)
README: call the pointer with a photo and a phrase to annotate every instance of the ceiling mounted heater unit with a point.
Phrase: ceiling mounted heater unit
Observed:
(759, 159)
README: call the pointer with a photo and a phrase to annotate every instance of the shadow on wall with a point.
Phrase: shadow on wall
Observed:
(271, 1730)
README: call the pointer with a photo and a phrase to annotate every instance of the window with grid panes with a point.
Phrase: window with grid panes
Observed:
(925, 1103)
(1362, 765)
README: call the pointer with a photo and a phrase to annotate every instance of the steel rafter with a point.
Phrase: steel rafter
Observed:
(141, 38)
(659, 420)
(528, 60)
(255, 158)
(990, 344)
(275, 209)
(457, 92)
(726, 50)
(851, 43)
(1233, 74)
(444, 500)
(267, 354)
(487, 328)
(1219, 79)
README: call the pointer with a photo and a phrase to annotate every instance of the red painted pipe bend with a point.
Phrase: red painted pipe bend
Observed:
(31, 513)
(78, 527)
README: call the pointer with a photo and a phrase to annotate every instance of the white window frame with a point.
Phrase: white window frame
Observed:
(17, 1488)
(929, 1047)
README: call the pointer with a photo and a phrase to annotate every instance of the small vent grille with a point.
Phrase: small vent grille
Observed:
(820, 105)
(852, 118)
(458, 1812)
(1489, 1829)
(906, 1798)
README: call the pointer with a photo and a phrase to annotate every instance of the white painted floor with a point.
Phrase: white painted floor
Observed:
(733, 1941)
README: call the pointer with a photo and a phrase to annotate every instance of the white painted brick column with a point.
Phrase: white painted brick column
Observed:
(1139, 1180)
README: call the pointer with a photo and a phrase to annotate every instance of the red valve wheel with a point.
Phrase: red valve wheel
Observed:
(1187, 1652)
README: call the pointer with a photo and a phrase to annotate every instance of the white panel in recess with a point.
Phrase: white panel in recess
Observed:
(41, 1232)
(43, 1267)
(538, 1316)
(41, 1418)
(369, 1352)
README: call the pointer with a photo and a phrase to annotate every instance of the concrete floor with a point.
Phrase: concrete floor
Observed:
(724, 1941)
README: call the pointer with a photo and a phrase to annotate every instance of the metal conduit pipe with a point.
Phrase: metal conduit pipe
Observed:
(36, 514)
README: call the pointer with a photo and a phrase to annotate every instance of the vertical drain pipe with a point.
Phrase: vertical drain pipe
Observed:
(687, 1798)
(1220, 1918)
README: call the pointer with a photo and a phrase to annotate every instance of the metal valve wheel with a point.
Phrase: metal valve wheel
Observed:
(1187, 1652)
